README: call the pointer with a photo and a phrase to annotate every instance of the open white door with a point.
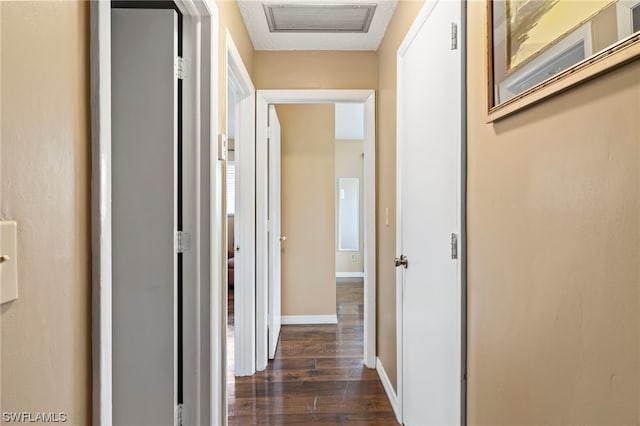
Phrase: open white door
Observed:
(144, 144)
(428, 173)
(274, 232)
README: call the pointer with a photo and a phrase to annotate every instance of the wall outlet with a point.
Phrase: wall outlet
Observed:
(354, 257)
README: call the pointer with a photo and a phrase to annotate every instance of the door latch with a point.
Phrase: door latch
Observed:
(402, 261)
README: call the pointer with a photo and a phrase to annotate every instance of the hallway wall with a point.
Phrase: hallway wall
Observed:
(45, 166)
(315, 70)
(405, 14)
(554, 253)
(308, 206)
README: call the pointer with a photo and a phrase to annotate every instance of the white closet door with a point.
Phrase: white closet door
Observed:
(144, 114)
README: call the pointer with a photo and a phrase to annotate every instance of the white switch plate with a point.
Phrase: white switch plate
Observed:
(9, 267)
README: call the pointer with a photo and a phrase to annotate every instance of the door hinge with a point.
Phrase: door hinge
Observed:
(454, 246)
(179, 415)
(180, 68)
(454, 36)
(183, 241)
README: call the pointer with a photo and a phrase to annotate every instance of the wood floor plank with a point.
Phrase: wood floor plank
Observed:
(318, 375)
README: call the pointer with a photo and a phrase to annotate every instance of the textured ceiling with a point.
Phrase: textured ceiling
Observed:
(255, 19)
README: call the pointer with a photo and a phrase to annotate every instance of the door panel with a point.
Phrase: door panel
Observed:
(429, 171)
(274, 233)
(144, 126)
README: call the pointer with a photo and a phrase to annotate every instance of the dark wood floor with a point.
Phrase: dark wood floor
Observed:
(317, 376)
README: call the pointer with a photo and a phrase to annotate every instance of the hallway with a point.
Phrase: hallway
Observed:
(318, 375)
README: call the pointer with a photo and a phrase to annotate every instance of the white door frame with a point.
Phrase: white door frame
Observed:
(245, 142)
(263, 99)
(420, 20)
(202, 214)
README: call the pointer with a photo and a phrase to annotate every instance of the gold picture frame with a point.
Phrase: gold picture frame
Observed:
(519, 79)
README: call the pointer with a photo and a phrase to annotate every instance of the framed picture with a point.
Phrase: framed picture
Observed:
(537, 48)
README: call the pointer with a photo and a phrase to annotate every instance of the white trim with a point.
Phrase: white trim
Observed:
(245, 217)
(214, 336)
(309, 319)
(191, 223)
(263, 99)
(388, 388)
(349, 274)
(262, 230)
(101, 262)
(399, 292)
(202, 362)
(370, 236)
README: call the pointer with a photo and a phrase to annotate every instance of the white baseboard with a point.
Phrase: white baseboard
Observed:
(391, 394)
(309, 319)
(349, 274)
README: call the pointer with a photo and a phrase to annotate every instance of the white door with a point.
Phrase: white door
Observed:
(275, 239)
(144, 148)
(428, 172)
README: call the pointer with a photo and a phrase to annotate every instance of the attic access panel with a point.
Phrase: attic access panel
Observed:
(319, 18)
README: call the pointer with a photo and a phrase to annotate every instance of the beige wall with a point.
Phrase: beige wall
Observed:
(349, 164)
(46, 343)
(554, 256)
(403, 17)
(314, 70)
(308, 200)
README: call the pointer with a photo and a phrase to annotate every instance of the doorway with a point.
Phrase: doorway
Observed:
(147, 123)
(264, 98)
(240, 161)
(349, 182)
(199, 328)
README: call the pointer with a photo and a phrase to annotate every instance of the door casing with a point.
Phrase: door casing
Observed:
(275, 233)
(264, 98)
(204, 344)
(245, 216)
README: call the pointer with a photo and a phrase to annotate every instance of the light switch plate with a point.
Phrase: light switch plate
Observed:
(9, 264)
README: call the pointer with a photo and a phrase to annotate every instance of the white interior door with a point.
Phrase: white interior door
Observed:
(429, 144)
(144, 155)
(275, 239)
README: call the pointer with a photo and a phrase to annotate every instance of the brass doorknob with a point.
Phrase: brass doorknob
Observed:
(402, 261)
(283, 238)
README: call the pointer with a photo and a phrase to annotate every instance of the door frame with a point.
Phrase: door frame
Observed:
(202, 215)
(302, 96)
(417, 25)
(245, 270)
